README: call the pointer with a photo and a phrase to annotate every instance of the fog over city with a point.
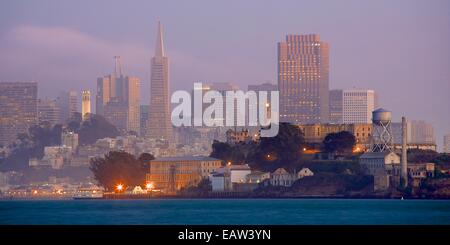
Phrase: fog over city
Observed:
(400, 49)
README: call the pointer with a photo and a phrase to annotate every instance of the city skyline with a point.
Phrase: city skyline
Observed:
(423, 72)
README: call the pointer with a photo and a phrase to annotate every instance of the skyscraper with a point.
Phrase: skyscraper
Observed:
(49, 111)
(358, 105)
(143, 117)
(418, 132)
(303, 78)
(118, 99)
(159, 123)
(133, 101)
(446, 148)
(396, 128)
(85, 104)
(422, 132)
(336, 109)
(18, 109)
(103, 93)
(67, 102)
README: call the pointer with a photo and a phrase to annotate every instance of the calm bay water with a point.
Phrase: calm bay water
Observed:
(225, 211)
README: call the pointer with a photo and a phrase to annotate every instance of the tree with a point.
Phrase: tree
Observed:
(146, 157)
(74, 122)
(341, 142)
(119, 167)
(31, 144)
(280, 151)
(236, 154)
(93, 128)
(221, 150)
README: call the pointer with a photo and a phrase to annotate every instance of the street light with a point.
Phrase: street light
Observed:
(119, 187)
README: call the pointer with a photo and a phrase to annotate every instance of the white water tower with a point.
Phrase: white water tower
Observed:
(382, 138)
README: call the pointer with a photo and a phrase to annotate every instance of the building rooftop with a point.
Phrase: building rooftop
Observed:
(257, 173)
(376, 154)
(185, 158)
(280, 171)
(239, 167)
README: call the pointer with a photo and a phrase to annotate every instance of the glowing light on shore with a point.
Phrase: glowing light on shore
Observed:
(149, 186)
(119, 187)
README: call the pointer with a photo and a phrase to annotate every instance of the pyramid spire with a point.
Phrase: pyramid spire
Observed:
(159, 49)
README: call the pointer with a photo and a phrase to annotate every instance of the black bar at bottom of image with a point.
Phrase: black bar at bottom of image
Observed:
(223, 233)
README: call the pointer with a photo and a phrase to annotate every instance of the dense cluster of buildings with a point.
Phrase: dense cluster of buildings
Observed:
(118, 99)
(305, 100)
(172, 174)
(70, 153)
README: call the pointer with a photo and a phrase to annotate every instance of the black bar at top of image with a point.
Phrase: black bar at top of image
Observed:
(162, 233)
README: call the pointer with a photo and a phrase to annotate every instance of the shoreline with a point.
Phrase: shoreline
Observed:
(127, 197)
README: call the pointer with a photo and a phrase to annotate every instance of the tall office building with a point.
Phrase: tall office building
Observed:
(396, 129)
(85, 104)
(18, 109)
(67, 101)
(422, 132)
(133, 101)
(49, 111)
(118, 99)
(336, 109)
(446, 145)
(103, 93)
(418, 132)
(303, 79)
(143, 118)
(159, 123)
(358, 105)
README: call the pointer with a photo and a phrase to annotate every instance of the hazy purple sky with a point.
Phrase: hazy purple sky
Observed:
(398, 48)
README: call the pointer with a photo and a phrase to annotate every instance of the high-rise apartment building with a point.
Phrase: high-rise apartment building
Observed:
(49, 111)
(396, 129)
(118, 99)
(143, 118)
(303, 79)
(18, 109)
(67, 101)
(159, 123)
(418, 132)
(104, 89)
(422, 132)
(358, 105)
(446, 145)
(336, 103)
(133, 101)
